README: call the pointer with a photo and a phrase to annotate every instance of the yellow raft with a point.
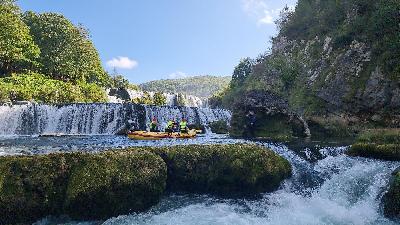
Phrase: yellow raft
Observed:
(144, 135)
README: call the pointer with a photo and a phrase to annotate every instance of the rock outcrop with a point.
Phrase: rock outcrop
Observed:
(339, 80)
(273, 117)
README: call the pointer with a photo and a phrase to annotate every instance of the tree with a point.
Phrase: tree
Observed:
(159, 99)
(146, 99)
(242, 71)
(119, 81)
(180, 100)
(67, 52)
(17, 48)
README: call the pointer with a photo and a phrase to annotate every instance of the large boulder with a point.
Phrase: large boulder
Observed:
(97, 186)
(227, 170)
(114, 183)
(32, 187)
(84, 186)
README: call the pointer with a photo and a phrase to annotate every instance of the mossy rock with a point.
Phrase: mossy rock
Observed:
(391, 200)
(31, 187)
(378, 144)
(219, 127)
(389, 152)
(380, 136)
(115, 183)
(224, 169)
(98, 186)
(82, 185)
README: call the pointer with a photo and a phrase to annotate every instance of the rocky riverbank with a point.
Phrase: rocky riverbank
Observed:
(97, 186)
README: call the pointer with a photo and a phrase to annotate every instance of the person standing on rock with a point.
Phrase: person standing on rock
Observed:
(251, 123)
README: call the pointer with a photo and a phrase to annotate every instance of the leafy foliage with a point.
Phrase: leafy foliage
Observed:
(242, 71)
(37, 87)
(201, 86)
(67, 54)
(17, 48)
(146, 99)
(159, 99)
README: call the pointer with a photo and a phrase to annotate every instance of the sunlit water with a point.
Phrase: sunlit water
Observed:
(327, 187)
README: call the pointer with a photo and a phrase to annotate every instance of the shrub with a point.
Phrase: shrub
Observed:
(39, 88)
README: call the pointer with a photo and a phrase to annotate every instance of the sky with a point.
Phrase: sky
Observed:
(161, 39)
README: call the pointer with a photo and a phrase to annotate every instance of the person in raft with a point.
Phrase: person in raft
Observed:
(170, 126)
(183, 126)
(153, 125)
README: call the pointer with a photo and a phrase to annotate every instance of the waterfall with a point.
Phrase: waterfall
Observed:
(96, 118)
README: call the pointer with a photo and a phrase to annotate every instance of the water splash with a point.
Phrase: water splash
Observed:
(348, 192)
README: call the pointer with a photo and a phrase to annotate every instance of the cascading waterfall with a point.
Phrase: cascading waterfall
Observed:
(93, 119)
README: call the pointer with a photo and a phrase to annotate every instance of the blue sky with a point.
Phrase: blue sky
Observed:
(159, 39)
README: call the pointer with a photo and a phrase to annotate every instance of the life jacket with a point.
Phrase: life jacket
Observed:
(170, 124)
(183, 125)
(153, 125)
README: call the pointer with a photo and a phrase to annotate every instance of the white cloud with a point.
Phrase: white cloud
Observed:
(269, 16)
(177, 75)
(261, 10)
(122, 63)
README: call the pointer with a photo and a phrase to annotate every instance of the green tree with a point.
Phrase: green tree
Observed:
(119, 81)
(67, 53)
(242, 71)
(180, 100)
(17, 48)
(146, 99)
(159, 99)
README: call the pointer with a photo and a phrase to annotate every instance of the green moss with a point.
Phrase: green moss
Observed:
(378, 144)
(380, 136)
(31, 187)
(85, 186)
(385, 151)
(224, 169)
(98, 186)
(391, 200)
(114, 183)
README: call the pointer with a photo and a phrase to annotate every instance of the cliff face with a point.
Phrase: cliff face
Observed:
(344, 74)
(342, 79)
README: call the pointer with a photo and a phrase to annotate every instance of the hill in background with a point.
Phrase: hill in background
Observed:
(200, 86)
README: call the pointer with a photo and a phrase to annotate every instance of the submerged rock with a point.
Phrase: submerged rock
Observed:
(98, 186)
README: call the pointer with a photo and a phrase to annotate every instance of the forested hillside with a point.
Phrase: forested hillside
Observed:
(200, 86)
(46, 58)
(334, 63)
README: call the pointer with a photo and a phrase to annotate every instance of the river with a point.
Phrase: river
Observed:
(327, 187)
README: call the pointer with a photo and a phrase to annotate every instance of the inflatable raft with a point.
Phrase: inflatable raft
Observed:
(145, 135)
